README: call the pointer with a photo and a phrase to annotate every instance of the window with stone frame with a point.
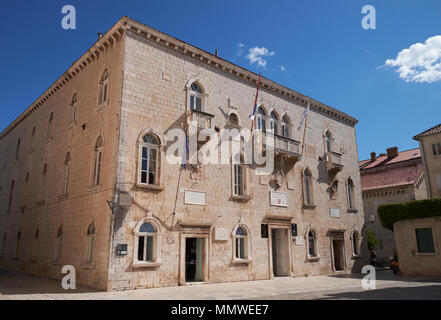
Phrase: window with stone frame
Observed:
(328, 142)
(308, 195)
(350, 190)
(73, 109)
(149, 155)
(274, 123)
(196, 97)
(103, 94)
(90, 244)
(261, 120)
(241, 244)
(97, 162)
(285, 129)
(146, 243)
(239, 178)
(312, 244)
(67, 165)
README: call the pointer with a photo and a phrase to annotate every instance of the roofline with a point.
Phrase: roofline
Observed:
(424, 133)
(113, 34)
(128, 24)
(398, 152)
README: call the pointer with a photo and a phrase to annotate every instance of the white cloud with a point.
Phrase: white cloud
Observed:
(421, 62)
(256, 55)
(240, 47)
(282, 68)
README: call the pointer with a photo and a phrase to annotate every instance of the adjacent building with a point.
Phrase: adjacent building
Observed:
(430, 146)
(391, 177)
(86, 179)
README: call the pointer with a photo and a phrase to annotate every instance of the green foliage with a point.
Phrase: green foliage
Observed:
(391, 213)
(372, 242)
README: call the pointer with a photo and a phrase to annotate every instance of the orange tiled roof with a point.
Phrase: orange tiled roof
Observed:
(397, 176)
(381, 161)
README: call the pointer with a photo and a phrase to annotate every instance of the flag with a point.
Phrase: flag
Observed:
(304, 116)
(186, 151)
(255, 100)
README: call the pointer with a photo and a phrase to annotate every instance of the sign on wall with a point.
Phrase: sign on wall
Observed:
(278, 199)
(335, 212)
(221, 234)
(194, 197)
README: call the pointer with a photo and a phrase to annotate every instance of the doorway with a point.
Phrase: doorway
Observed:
(279, 244)
(337, 248)
(194, 249)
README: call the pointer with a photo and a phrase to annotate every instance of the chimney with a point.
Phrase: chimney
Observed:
(100, 35)
(216, 53)
(373, 156)
(392, 152)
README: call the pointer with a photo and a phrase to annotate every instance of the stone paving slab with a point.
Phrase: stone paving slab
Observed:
(20, 286)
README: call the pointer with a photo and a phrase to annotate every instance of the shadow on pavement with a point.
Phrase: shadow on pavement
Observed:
(17, 283)
(388, 275)
(395, 293)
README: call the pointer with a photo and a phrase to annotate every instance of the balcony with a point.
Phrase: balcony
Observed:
(284, 146)
(202, 119)
(333, 162)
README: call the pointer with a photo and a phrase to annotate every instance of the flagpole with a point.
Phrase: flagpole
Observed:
(255, 103)
(304, 130)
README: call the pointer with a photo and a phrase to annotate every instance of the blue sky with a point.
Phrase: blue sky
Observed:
(321, 45)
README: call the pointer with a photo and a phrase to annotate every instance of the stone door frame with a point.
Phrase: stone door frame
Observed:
(283, 223)
(195, 230)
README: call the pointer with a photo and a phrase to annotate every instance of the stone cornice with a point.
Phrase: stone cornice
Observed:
(128, 24)
(102, 44)
(230, 68)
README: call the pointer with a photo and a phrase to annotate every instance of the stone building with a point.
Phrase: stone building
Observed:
(430, 146)
(393, 177)
(418, 243)
(86, 181)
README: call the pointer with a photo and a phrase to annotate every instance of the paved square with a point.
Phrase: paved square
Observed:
(18, 286)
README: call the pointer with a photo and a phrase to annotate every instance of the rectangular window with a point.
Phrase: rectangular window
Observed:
(425, 240)
(145, 248)
(148, 166)
(238, 180)
(436, 149)
(240, 248)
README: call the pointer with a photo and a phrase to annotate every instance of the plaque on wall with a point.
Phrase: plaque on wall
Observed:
(221, 234)
(335, 212)
(121, 249)
(194, 197)
(300, 241)
(278, 199)
(264, 230)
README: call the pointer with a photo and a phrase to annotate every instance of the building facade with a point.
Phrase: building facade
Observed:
(87, 178)
(418, 246)
(392, 177)
(430, 146)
